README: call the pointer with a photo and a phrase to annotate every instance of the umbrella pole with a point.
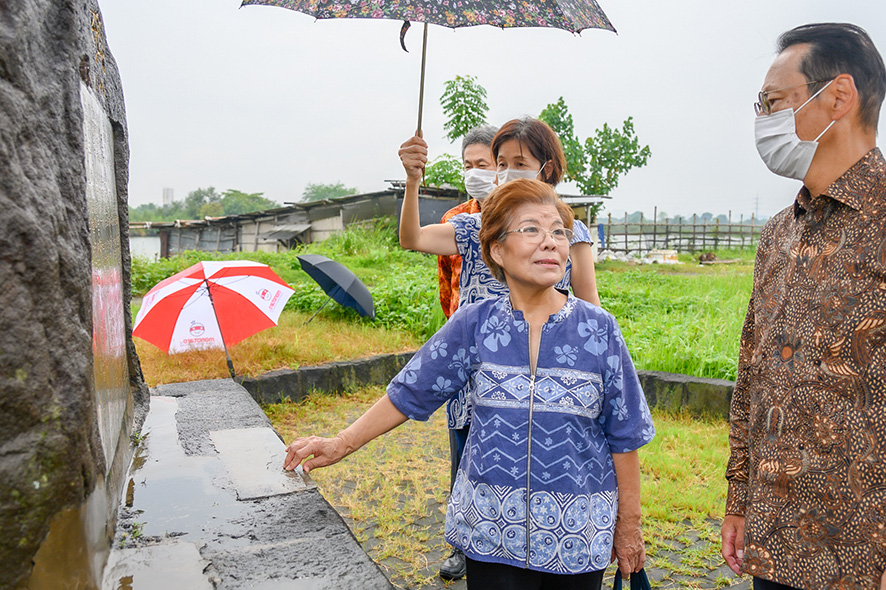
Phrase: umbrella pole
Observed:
(421, 88)
(318, 310)
(224, 344)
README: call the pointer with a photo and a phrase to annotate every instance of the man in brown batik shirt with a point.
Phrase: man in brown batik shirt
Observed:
(806, 506)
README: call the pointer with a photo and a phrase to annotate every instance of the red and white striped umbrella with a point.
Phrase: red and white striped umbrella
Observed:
(211, 305)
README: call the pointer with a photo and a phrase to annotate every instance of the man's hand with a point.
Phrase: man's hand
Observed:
(732, 537)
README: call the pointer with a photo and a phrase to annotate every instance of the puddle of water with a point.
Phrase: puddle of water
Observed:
(167, 566)
(172, 492)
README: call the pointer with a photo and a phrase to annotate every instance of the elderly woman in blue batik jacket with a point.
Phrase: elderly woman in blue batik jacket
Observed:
(548, 489)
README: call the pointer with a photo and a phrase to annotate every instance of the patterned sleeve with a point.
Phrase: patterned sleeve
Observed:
(739, 412)
(580, 233)
(625, 416)
(438, 370)
(465, 224)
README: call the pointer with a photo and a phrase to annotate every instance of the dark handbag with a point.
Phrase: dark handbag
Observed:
(639, 581)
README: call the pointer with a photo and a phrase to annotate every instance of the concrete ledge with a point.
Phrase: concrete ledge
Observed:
(669, 391)
(338, 377)
(697, 395)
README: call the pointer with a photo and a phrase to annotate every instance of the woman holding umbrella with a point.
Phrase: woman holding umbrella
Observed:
(523, 148)
(548, 489)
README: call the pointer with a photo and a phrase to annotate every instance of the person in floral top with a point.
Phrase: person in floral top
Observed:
(526, 148)
(549, 485)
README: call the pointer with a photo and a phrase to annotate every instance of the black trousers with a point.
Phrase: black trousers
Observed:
(761, 584)
(483, 575)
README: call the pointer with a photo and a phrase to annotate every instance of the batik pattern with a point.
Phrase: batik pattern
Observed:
(477, 283)
(539, 445)
(808, 416)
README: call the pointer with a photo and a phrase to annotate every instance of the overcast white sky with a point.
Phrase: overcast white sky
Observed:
(263, 99)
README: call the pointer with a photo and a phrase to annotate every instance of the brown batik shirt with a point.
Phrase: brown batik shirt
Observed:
(808, 417)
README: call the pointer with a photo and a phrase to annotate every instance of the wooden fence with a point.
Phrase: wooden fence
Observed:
(692, 235)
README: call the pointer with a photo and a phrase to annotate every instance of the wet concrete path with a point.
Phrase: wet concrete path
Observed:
(209, 506)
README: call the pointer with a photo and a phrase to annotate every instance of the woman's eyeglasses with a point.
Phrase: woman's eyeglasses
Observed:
(536, 235)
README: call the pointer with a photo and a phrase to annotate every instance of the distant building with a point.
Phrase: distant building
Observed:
(168, 196)
(297, 223)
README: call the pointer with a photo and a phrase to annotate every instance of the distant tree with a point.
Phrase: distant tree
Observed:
(319, 191)
(146, 212)
(236, 202)
(196, 200)
(445, 170)
(597, 164)
(214, 209)
(612, 153)
(203, 202)
(662, 217)
(707, 217)
(464, 104)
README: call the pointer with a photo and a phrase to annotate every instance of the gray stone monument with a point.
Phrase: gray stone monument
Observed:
(71, 388)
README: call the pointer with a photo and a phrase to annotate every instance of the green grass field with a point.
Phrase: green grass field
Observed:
(683, 318)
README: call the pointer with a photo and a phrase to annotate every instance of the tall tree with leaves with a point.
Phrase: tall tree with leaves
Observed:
(597, 164)
(464, 104)
(236, 202)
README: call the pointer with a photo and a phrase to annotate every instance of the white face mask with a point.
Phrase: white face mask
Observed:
(513, 174)
(479, 182)
(783, 152)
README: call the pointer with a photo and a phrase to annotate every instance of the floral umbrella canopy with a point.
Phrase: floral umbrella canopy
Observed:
(571, 15)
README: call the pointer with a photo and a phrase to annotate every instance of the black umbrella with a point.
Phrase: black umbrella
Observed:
(339, 283)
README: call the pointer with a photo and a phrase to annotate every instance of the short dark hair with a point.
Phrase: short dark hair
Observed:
(842, 48)
(542, 142)
(482, 135)
(499, 208)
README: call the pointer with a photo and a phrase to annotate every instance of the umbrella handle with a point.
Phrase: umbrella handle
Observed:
(421, 88)
(318, 310)
(218, 321)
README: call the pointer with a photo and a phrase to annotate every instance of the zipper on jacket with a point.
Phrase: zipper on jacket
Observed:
(529, 462)
(532, 371)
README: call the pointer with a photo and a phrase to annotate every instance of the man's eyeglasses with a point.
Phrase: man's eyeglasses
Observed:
(536, 235)
(764, 106)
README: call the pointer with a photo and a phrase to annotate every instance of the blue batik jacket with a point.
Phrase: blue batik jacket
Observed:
(540, 445)
(477, 283)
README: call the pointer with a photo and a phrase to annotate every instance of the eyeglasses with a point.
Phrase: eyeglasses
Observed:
(536, 235)
(764, 106)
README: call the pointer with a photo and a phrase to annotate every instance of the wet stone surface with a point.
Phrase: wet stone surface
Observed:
(183, 495)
